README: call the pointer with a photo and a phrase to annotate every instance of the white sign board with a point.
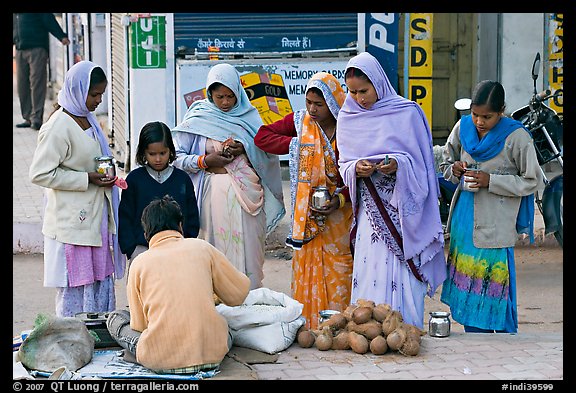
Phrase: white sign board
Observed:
(287, 79)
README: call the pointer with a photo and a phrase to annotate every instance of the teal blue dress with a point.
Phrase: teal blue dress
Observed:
(481, 284)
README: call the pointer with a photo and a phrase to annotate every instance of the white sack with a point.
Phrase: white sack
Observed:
(257, 311)
(269, 338)
(267, 321)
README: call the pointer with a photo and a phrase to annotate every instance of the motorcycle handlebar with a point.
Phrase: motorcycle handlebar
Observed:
(543, 95)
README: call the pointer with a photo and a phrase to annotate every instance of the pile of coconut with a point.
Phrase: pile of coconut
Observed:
(362, 327)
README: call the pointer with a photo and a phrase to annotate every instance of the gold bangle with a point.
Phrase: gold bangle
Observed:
(342, 201)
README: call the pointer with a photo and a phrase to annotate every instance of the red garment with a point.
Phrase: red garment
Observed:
(275, 138)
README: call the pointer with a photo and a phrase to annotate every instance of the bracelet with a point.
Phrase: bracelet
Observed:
(342, 200)
(202, 162)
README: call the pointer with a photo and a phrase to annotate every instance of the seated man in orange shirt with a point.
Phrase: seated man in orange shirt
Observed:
(173, 326)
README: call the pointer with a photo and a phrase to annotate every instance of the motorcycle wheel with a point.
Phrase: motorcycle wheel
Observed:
(559, 234)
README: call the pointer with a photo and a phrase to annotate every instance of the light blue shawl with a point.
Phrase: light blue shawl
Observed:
(241, 123)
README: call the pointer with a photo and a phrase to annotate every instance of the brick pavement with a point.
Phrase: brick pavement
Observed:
(461, 356)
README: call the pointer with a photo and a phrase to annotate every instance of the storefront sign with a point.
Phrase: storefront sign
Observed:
(148, 42)
(259, 32)
(274, 88)
(420, 63)
(556, 61)
(378, 35)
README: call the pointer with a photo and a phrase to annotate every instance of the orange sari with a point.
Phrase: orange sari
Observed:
(322, 267)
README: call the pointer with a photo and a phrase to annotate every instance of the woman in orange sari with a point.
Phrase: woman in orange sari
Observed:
(322, 261)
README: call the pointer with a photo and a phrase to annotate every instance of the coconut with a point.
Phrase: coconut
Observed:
(396, 338)
(341, 340)
(378, 345)
(358, 343)
(411, 347)
(335, 322)
(306, 338)
(365, 303)
(381, 311)
(391, 322)
(368, 329)
(324, 341)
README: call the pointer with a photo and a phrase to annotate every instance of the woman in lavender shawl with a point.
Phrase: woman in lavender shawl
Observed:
(386, 159)
(81, 253)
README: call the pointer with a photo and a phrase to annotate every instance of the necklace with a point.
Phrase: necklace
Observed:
(331, 137)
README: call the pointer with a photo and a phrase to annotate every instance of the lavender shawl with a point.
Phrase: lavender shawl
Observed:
(397, 127)
(73, 96)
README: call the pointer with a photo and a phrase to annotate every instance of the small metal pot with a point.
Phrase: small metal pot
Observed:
(321, 197)
(105, 165)
(465, 184)
(326, 314)
(439, 324)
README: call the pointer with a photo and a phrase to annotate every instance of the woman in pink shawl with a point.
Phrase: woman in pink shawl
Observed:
(387, 161)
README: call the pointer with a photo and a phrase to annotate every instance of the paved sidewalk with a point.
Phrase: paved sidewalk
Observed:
(461, 356)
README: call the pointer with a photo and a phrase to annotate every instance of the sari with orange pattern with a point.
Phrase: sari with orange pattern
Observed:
(322, 260)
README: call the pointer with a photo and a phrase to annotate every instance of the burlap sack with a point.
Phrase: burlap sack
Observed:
(57, 342)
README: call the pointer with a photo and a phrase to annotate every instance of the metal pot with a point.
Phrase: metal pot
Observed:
(321, 197)
(439, 324)
(105, 165)
(465, 184)
(326, 314)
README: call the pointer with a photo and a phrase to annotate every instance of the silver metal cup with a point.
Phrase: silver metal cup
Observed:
(321, 197)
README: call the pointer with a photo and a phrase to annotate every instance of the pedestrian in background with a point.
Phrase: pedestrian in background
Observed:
(387, 161)
(154, 178)
(30, 36)
(238, 186)
(81, 252)
(322, 261)
(486, 217)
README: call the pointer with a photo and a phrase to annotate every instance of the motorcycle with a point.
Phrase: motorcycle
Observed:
(547, 131)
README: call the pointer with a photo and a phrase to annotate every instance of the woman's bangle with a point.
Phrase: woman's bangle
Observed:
(342, 200)
(202, 162)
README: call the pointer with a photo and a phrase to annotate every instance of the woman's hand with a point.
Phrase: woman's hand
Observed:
(390, 167)
(364, 168)
(217, 160)
(478, 179)
(458, 168)
(333, 205)
(100, 179)
(235, 148)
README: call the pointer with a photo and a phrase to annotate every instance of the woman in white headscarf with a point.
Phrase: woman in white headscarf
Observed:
(238, 186)
(81, 212)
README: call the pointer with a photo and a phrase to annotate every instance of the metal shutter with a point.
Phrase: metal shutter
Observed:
(119, 134)
(245, 34)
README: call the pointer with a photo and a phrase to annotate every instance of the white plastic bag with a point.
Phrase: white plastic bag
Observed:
(267, 321)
